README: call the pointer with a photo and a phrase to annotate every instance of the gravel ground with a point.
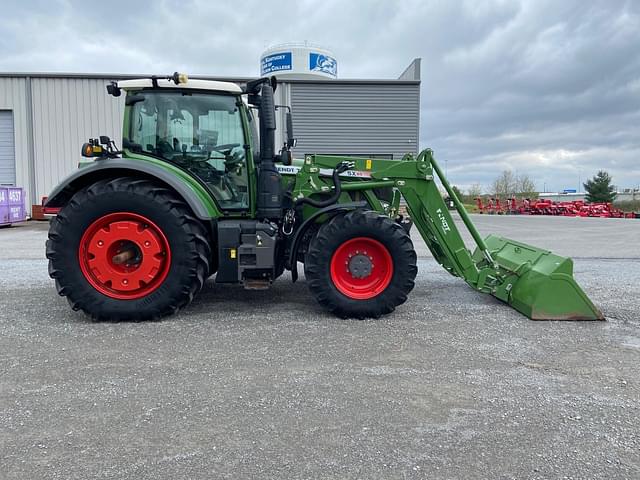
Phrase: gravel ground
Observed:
(246, 384)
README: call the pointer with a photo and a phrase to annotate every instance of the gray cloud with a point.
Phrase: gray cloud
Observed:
(547, 88)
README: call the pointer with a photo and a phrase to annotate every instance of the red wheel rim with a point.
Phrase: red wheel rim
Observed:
(138, 237)
(361, 268)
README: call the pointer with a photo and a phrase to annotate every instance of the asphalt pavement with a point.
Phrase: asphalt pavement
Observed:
(265, 384)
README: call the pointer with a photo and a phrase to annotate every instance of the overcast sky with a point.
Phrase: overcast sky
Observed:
(546, 88)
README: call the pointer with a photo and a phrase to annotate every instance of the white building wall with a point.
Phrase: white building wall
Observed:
(13, 97)
(66, 113)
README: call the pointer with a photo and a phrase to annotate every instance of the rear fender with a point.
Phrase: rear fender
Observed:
(195, 195)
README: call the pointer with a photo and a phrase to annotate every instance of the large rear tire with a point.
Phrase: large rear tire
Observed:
(127, 249)
(361, 265)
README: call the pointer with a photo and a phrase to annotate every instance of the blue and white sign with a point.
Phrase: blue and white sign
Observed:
(275, 63)
(323, 63)
(569, 190)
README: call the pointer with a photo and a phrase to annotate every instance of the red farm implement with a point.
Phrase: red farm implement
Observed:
(576, 208)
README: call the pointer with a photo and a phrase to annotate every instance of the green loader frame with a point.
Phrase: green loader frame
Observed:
(534, 281)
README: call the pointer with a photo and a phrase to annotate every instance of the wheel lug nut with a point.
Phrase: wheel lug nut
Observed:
(100, 243)
(125, 282)
(147, 243)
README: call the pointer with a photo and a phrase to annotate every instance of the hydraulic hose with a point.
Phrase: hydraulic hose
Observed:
(340, 168)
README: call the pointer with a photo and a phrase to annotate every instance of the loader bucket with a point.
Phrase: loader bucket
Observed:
(539, 284)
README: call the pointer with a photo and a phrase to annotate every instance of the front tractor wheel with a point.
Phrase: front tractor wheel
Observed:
(361, 265)
(127, 249)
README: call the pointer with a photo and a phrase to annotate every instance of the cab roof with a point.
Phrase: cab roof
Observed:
(194, 84)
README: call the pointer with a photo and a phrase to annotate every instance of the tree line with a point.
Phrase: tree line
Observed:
(510, 185)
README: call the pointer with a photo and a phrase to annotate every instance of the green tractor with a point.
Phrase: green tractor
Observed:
(199, 189)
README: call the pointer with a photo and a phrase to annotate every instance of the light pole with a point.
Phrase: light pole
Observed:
(579, 181)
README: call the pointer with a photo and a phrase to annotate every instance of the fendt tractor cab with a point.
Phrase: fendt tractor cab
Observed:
(200, 189)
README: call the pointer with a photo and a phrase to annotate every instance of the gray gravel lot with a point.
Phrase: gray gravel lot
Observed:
(250, 384)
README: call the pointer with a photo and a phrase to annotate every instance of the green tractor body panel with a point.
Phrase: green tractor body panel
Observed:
(189, 181)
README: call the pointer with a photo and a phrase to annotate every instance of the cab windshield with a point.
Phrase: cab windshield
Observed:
(200, 132)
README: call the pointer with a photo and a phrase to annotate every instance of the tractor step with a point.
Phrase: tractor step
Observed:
(256, 284)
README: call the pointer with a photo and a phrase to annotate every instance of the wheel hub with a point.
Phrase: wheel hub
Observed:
(360, 266)
(124, 256)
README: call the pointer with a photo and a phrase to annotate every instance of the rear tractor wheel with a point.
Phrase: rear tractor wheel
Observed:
(127, 249)
(361, 264)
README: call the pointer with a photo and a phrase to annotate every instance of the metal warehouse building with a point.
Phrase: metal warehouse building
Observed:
(45, 118)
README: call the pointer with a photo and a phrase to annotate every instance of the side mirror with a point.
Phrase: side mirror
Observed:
(113, 89)
(291, 142)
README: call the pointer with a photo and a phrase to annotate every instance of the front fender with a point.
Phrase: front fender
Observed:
(196, 196)
(292, 262)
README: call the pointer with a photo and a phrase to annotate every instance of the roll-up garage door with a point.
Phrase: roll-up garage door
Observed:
(370, 119)
(7, 149)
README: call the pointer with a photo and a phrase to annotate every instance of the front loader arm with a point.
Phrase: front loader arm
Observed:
(535, 282)
(436, 225)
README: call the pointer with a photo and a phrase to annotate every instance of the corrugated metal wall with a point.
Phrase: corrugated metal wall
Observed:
(13, 97)
(66, 113)
(356, 118)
